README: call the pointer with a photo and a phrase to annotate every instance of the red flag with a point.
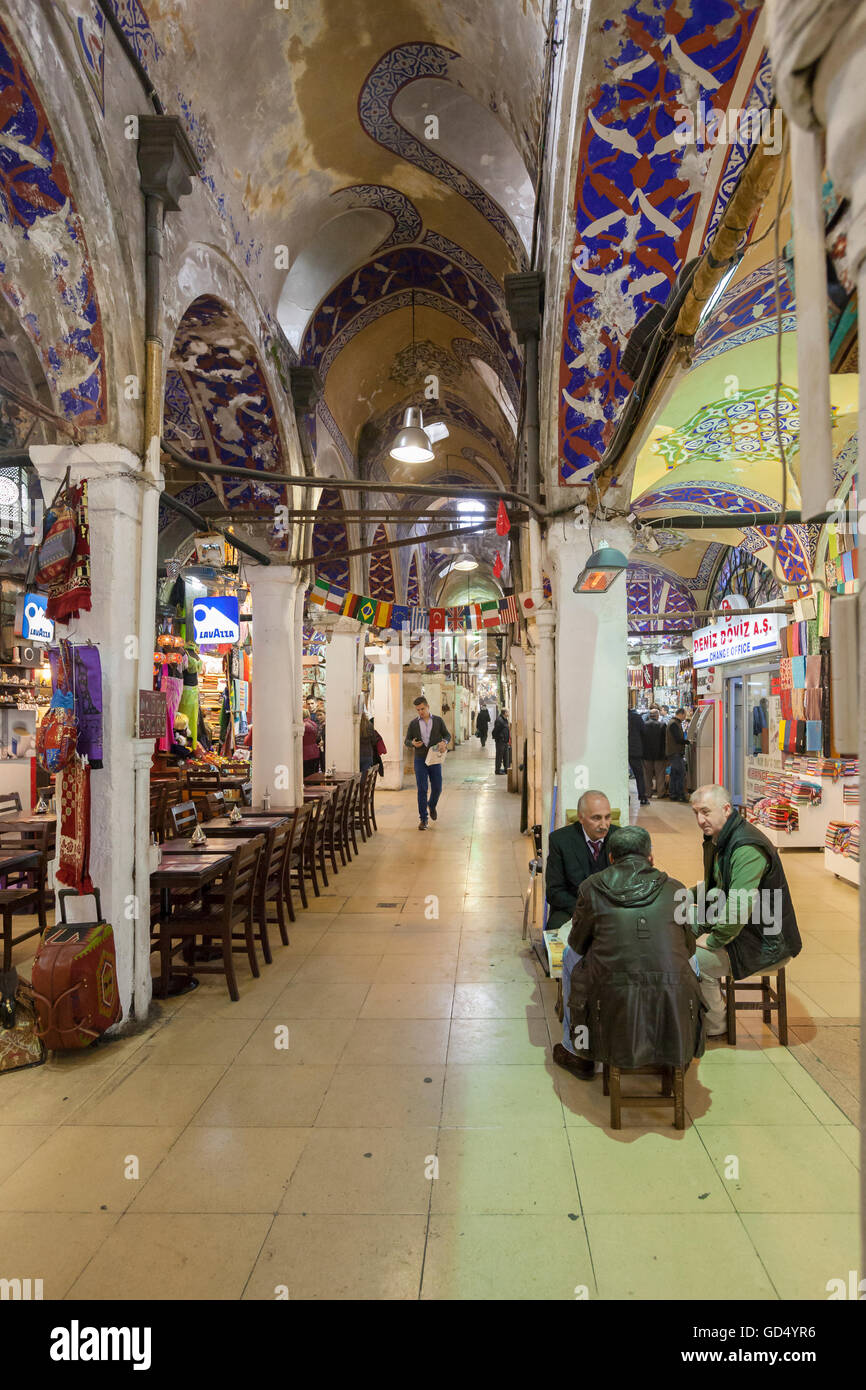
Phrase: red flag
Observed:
(437, 619)
(498, 566)
(503, 525)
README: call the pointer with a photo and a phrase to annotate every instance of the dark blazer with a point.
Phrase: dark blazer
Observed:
(438, 734)
(569, 862)
(482, 721)
(635, 735)
(654, 739)
(676, 740)
(501, 731)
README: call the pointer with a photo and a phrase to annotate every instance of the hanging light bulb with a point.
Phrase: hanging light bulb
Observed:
(466, 562)
(411, 444)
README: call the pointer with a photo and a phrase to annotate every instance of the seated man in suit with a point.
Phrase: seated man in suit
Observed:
(574, 852)
(635, 998)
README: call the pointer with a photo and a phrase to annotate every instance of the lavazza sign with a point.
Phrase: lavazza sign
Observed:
(736, 639)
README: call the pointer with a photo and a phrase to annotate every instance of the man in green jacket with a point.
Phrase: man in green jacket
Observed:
(744, 900)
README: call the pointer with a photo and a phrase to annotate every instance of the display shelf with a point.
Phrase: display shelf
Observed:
(842, 866)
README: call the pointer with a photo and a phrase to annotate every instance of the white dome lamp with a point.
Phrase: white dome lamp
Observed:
(411, 443)
(466, 562)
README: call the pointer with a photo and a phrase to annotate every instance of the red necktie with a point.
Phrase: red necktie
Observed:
(595, 846)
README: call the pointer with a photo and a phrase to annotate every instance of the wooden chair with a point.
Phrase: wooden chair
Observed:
(296, 859)
(158, 806)
(227, 916)
(672, 1092)
(271, 884)
(372, 802)
(215, 803)
(203, 782)
(358, 822)
(183, 819)
(770, 999)
(349, 810)
(334, 825)
(25, 890)
(314, 848)
(364, 812)
(10, 802)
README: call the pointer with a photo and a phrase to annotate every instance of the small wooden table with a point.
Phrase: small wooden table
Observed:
(256, 812)
(224, 844)
(186, 871)
(26, 822)
(11, 862)
(222, 826)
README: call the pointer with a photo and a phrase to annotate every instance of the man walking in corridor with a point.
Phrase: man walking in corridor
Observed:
(427, 731)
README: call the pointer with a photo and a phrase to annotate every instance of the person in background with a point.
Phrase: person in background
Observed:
(378, 748)
(366, 752)
(319, 716)
(635, 754)
(574, 853)
(427, 731)
(655, 762)
(664, 713)
(501, 736)
(676, 751)
(482, 724)
(748, 935)
(634, 992)
(311, 752)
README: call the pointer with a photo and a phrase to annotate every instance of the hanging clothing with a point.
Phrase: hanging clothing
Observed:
(73, 855)
(188, 705)
(172, 686)
(70, 594)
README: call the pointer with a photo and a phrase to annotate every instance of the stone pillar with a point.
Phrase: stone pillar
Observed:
(545, 723)
(118, 848)
(343, 687)
(275, 590)
(388, 712)
(299, 685)
(591, 660)
(433, 686)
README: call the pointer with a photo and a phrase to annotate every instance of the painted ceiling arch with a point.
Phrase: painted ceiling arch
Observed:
(381, 573)
(330, 534)
(46, 275)
(413, 586)
(651, 589)
(637, 194)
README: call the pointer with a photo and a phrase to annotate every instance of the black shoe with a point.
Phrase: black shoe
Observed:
(645, 803)
(422, 825)
(585, 1070)
(432, 813)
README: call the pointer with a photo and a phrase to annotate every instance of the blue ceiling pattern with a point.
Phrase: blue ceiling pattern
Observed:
(745, 314)
(330, 535)
(406, 218)
(401, 65)
(634, 208)
(650, 589)
(380, 584)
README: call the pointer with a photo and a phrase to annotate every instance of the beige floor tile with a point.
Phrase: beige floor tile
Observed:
(320, 999)
(506, 1041)
(328, 1258)
(359, 968)
(82, 1169)
(834, 1000)
(52, 1246)
(296, 1042)
(820, 1104)
(154, 1094)
(665, 1257)
(331, 900)
(748, 1096)
(500, 1096)
(796, 1168)
(848, 1139)
(418, 969)
(641, 1172)
(382, 1097)
(505, 1258)
(224, 1170)
(160, 1256)
(363, 903)
(821, 969)
(190, 1040)
(504, 1170)
(477, 965)
(802, 1253)
(363, 1172)
(49, 1095)
(352, 946)
(258, 1097)
(17, 1143)
(395, 999)
(504, 999)
(352, 923)
(399, 1042)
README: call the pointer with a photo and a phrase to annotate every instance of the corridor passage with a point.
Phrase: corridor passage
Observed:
(378, 1116)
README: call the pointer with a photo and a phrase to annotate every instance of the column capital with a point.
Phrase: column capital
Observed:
(342, 627)
(545, 621)
(273, 576)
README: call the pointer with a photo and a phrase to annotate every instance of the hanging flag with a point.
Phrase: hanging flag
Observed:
(474, 616)
(490, 613)
(383, 614)
(419, 620)
(319, 591)
(365, 612)
(503, 525)
(508, 609)
(437, 620)
(334, 599)
(455, 619)
(527, 603)
(548, 587)
(498, 566)
(399, 617)
(350, 603)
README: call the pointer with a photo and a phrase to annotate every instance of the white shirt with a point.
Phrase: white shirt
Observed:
(426, 727)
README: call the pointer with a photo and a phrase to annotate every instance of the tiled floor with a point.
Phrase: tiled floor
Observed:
(378, 1116)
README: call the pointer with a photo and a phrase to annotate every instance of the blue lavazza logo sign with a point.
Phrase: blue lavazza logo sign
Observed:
(216, 620)
(37, 626)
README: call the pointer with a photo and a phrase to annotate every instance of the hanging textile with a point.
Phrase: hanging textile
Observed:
(73, 856)
(173, 689)
(87, 690)
(69, 593)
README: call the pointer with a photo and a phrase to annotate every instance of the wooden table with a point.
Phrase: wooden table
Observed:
(12, 862)
(256, 812)
(224, 826)
(23, 821)
(225, 844)
(322, 779)
(186, 871)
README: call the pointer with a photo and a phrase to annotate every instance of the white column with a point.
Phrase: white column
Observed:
(591, 660)
(388, 712)
(343, 688)
(275, 590)
(545, 720)
(433, 687)
(118, 847)
(299, 685)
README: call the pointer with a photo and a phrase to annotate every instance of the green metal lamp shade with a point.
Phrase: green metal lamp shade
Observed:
(600, 571)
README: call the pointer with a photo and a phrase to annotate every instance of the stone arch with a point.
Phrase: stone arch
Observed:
(381, 583)
(330, 535)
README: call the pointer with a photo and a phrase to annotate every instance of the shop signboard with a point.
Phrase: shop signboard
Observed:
(37, 626)
(152, 713)
(216, 620)
(737, 639)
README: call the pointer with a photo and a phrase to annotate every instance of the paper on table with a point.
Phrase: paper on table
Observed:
(434, 757)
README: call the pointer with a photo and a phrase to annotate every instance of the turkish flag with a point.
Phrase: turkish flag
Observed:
(437, 619)
(498, 566)
(503, 525)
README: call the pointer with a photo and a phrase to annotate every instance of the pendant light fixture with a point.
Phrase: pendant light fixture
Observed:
(600, 571)
(412, 444)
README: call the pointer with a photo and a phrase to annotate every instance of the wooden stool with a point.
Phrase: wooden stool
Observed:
(672, 1092)
(770, 999)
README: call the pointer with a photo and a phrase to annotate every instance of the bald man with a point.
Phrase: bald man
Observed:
(575, 852)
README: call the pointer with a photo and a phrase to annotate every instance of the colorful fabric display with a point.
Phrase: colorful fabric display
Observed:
(813, 672)
(798, 703)
(814, 736)
(73, 855)
(814, 703)
(786, 703)
(786, 673)
(798, 672)
(777, 814)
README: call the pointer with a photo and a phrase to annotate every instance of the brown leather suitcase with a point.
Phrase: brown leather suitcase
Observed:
(75, 979)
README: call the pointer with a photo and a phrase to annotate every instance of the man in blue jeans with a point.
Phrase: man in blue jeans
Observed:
(427, 731)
